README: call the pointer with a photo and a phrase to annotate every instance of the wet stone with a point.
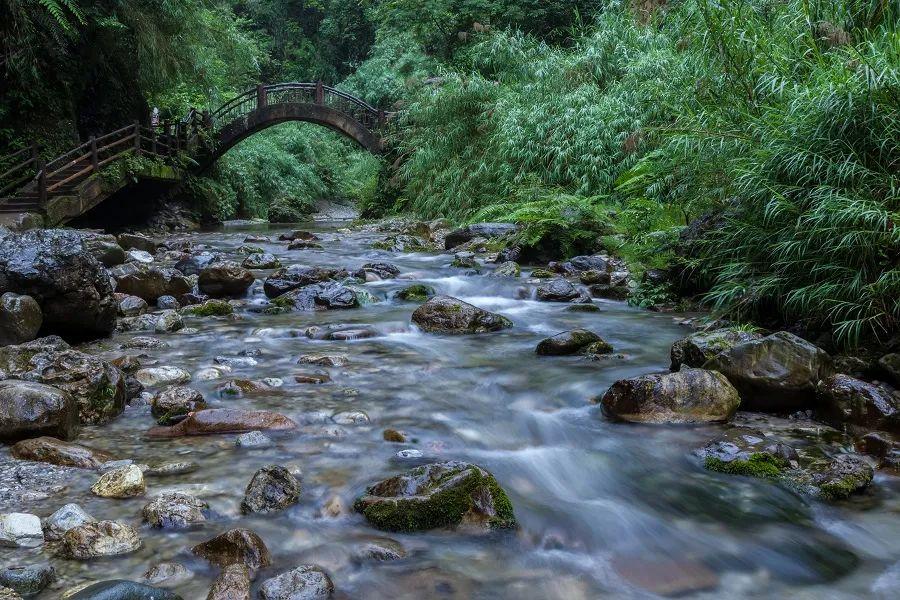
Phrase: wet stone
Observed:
(378, 549)
(448, 315)
(167, 574)
(119, 589)
(392, 435)
(350, 417)
(29, 580)
(56, 452)
(567, 342)
(174, 402)
(124, 482)
(233, 583)
(272, 488)
(307, 582)
(224, 420)
(175, 510)
(164, 375)
(103, 538)
(253, 440)
(316, 378)
(324, 360)
(65, 518)
(235, 546)
(167, 303)
(144, 343)
(20, 530)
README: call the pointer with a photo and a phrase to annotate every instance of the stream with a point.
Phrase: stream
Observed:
(605, 510)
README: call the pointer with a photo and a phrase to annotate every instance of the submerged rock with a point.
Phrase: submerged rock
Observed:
(688, 396)
(56, 452)
(54, 267)
(450, 494)
(272, 488)
(747, 451)
(776, 373)
(833, 478)
(125, 482)
(30, 409)
(225, 279)
(378, 549)
(445, 314)
(20, 319)
(307, 582)
(120, 589)
(165, 375)
(174, 402)
(224, 420)
(416, 293)
(297, 276)
(168, 574)
(102, 538)
(175, 510)
(843, 400)
(28, 581)
(233, 583)
(324, 360)
(696, 349)
(235, 547)
(568, 342)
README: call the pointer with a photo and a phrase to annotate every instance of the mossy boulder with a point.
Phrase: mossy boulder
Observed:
(696, 349)
(416, 293)
(832, 478)
(688, 396)
(777, 373)
(542, 274)
(210, 308)
(445, 314)
(845, 401)
(451, 494)
(507, 269)
(402, 243)
(569, 342)
(297, 276)
(747, 451)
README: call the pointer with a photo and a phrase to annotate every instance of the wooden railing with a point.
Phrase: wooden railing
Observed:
(28, 181)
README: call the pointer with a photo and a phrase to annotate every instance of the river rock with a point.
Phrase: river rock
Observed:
(377, 271)
(69, 516)
(319, 296)
(192, 265)
(149, 283)
(696, 349)
(225, 279)
(166, 375)
(833, 478)
(209, 308)
(401, 243)
(378, 549)
(747, 451)
(567, 342)
(298, 234)
(307, 582)
(233, 583)
(167, 574)
(120, 589)
(20, 319)
(261, 260)
(843, 400)
(688, 396)
(297, 276)
(101, 538)
(890, 364)
(139, 256)
(446, 494)
(56, 452)
(224, 420)
(254, 440)
(56, 270)
(235, 546)
(138, 241)
(507, 269)
(416, 293)
(175, 510)
(594, 277)
(610, 292)
(104, 248)
(131, 306)
(175, 402)
(560, 290)
(29, 409)
(324, 360)
(272, 488)
(168, 303)
(168, 321)
(124, 482)
(483, 230)
(143, 343)
(445, 314)
(20, 530)
(779, 372)
(27, 581)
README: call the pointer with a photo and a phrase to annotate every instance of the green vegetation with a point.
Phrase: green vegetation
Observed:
(759, 464)
(749, 148)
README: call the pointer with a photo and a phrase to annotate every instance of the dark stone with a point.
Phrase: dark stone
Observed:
(261, 260)
(833, 478)
(776, 373)
(450, 494)
(29, 409)
(610, 292)
(272, 488)
(20, 319)
(174, 402)
(319, 296)
(175, 510)
(298, 234)
(416, 293)
(304, 245)
(380, 270)
(485, 230)
(70, 285)
(688, 396)
(225, 279)
(192, 265)
(233, 583)
(27, 581)
(749, 452)
(558, 290)
(588, 263)
(120, 589)
(132, 306)
(235, 546)
(167, 303)
(567, 342)
(843, 400)
(445, 314)
(55, 452)
(104, 248)
(890, 365)
(291, 278)
(696, 349)
(137, 241)
(151, 282)
(212, 421)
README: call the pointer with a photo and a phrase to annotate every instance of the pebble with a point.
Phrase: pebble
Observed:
(158, 376)
(410, 453)
(124, 482)
(20, 530)
(253, 439)
(64, 519)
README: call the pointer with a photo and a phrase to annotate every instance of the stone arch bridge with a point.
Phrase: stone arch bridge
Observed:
(34, 192)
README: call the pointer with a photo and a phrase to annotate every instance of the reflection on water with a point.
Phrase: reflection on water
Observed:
(603, 507)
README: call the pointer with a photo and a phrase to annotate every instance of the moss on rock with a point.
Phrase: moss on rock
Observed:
(210, 308)
(759, 464)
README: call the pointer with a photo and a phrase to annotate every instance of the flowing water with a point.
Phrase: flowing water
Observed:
(606, 510)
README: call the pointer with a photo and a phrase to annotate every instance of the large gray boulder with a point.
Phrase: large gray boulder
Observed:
(97, 386)
(319, 296)
(70, 285)
(777, 373)
(450, 494)
(225, 279)
(29, 409)
(297, 276)
(688, 396)
(20, 319)
(845, 401)
(149, 282)
(697, 348)
(445, 314)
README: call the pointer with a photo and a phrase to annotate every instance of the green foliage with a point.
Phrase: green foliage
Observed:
(758, 464)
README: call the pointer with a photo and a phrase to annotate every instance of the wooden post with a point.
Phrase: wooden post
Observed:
(320, 93)
(42, 182)
(137, 138)
(95, 160)
(262, 97)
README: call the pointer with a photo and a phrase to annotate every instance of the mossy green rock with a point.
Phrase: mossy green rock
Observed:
(450, 494)
(569, 342)
(689, 396)
(416, 293)
(542, 274)
(832, 478)
(210, 308)
(445, 314)
(746, 451)
(696, 349)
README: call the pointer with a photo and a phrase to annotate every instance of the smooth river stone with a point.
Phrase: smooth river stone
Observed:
(224, 420)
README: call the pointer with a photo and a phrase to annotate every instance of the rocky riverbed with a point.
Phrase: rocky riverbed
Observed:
(358, 412)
